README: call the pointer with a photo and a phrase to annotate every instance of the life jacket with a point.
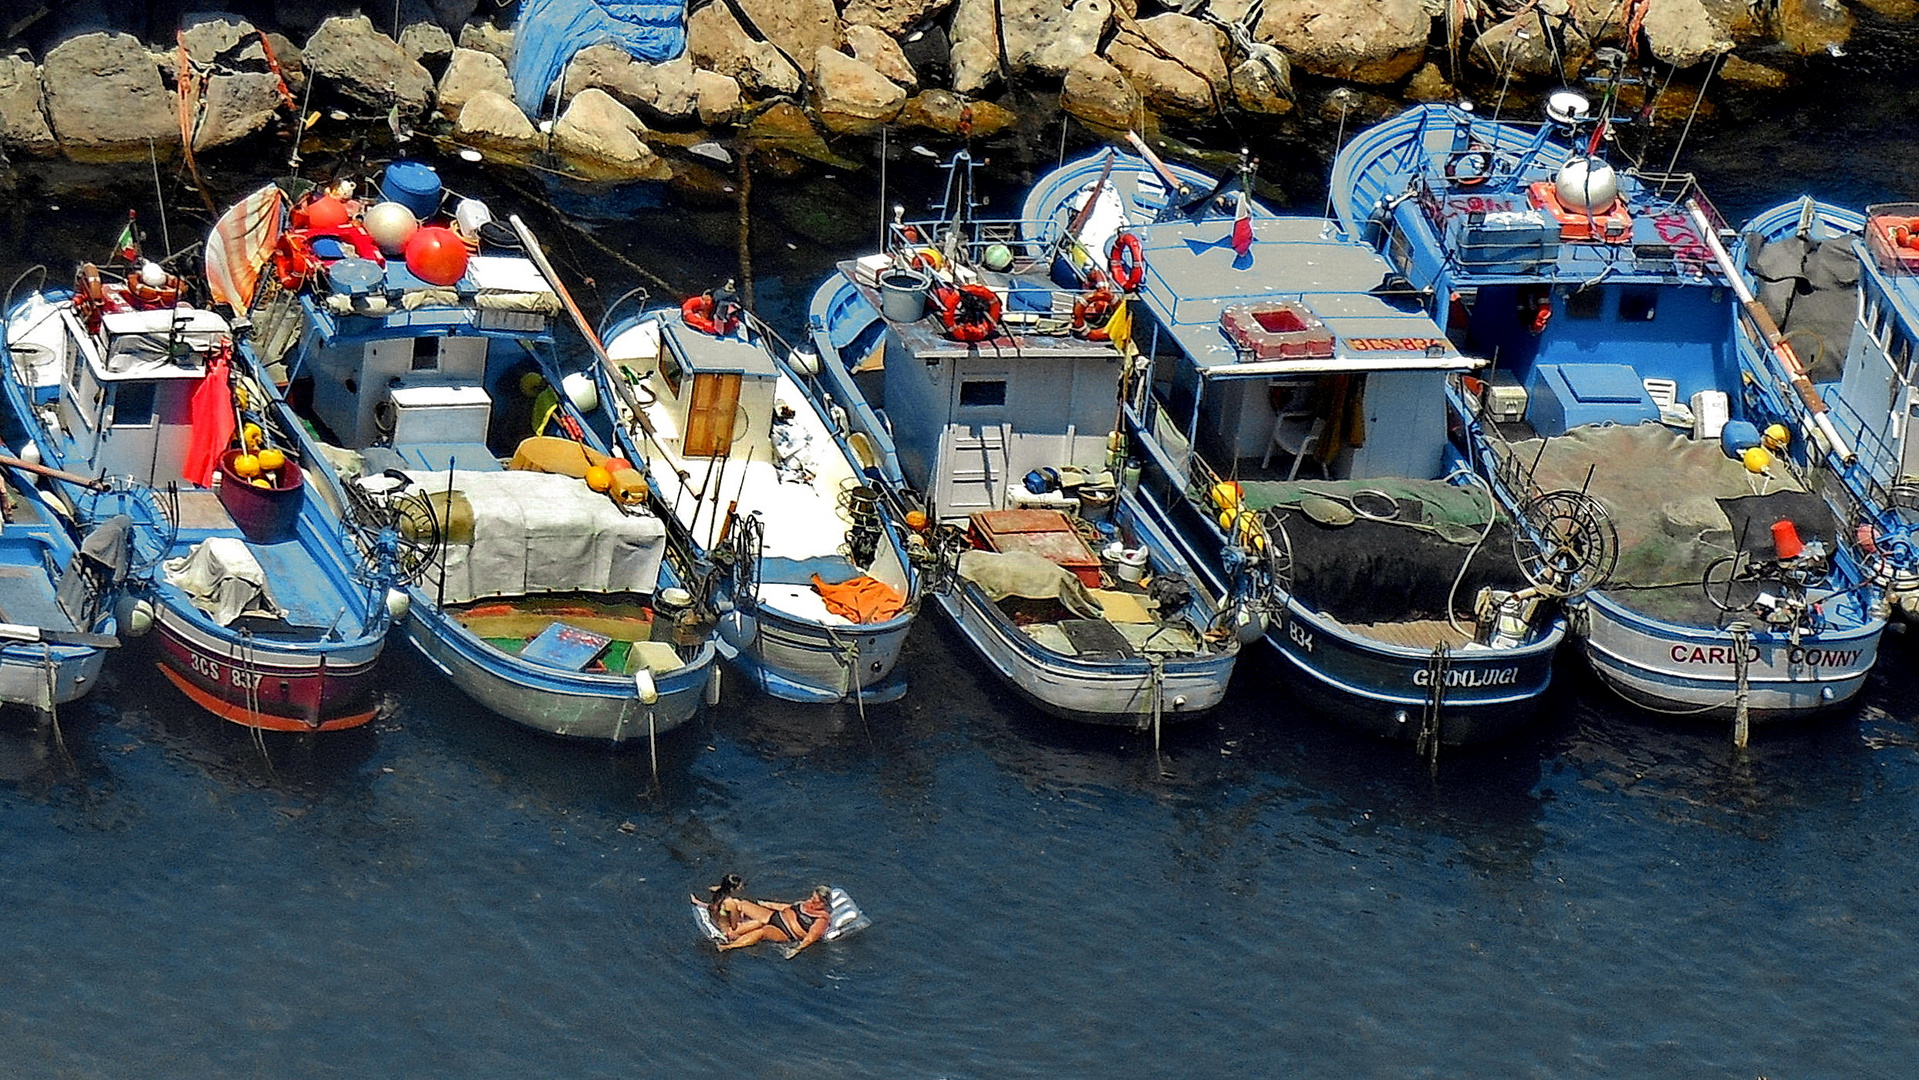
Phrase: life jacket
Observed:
(697, 312)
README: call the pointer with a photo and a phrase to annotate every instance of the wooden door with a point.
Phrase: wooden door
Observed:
(710, 415)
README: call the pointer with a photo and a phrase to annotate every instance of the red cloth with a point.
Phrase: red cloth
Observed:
(862, 599)
(212, 413)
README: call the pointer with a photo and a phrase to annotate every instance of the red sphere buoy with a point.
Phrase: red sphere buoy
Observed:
(436, 255)
(325, 212)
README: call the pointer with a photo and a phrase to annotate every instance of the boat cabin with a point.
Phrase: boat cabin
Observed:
(1876, 332)
(713, 391)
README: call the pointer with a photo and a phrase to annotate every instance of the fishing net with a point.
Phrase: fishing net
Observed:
(1809, 290)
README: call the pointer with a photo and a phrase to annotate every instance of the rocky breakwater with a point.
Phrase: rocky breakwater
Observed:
(796, 76)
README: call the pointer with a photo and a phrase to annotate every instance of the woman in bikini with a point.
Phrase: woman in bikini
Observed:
(747, 923)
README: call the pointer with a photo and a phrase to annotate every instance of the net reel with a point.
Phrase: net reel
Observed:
(393, 522)
(1565, 543)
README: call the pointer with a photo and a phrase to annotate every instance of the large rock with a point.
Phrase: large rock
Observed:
(784, 130)
(850, 97)
(715, 41)
(23, 118)
(1175, 62)
(1365, 41)
(1683, 33)
(234, 105)
(976, 47)
(717, 97)
(666, 91)
(1047, 37)
(367, 66)
(487, 38)
(1811, 26)
(950, 114)
(1514, 46)
(883, 53)
(1100, 96)
(891, 17)
(490, 120)
(105, 99)
(427, 42)
(469, 73)
(1262, 87)
(603, 139)
(1737, 72)
(210, 36)
(801, 28)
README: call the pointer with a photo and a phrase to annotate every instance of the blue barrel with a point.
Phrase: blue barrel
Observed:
(413, 185)
(1737, 437)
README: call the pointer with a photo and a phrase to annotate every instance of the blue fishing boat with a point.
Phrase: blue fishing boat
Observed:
(260, 617)
(445, 439)
(58, 599)
(1727, 587)
(1837, 294)
(1288, 424)
(993, 440)
(814, 588)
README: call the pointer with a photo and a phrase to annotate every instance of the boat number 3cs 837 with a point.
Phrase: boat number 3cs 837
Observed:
(209, 668)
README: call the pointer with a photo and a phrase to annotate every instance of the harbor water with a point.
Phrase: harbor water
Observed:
(444, 894)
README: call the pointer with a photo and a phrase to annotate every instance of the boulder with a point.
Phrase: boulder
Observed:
(800, 28)
(234, 105)
(850, 97)
(427, 42)
(208, 36)
(1100, 96)
(1812, 26)
(784, 129)
(666, 91)
(717, 97)
(469, 73)
(1515, 46)
(1364, 41)
(1683, 33)
(1047, 36)
(975, 46)
(948, 113)
(1175, 62)
(1429, 84)
(23, 118)
(891, 17)
(715, 41)
(1258, 87)
(367, 66)
(490, 120)
(286, 56)
(105, 100)
(487, 38)
(882, 53)
(602, 139)
(1745, 73)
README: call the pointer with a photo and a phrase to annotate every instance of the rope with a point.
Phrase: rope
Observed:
(1157, 666)
(1452, 594)
(1741, 723)
(1437, 665)
(53, 708)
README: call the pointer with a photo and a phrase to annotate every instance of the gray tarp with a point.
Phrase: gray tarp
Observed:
(223, 579)
(543, 533)
(1024, 574)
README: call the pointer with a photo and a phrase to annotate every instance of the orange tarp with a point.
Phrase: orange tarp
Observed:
(862, 599)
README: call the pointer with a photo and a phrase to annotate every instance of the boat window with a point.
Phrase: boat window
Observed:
(426, 354)
(1585, 303)
(671, 373)
(133, 404)
(1637, 305)
(1877, 312)
(1901, 355)
(982, 393)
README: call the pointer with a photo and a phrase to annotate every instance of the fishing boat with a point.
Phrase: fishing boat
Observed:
(440, 428)
(260, 618)
(814, 586)
(996, 447)
(58, 599)
(1287, 422)
(1833, 308)
(1730, 588)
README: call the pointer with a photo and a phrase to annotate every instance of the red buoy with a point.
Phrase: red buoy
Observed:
(436, 255)
(1785, 540)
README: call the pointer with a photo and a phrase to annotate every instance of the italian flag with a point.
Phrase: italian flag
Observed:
(1243, 225)
(127, 247)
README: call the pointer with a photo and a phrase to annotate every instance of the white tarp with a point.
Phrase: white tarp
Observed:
(223, 579)
(539, 532)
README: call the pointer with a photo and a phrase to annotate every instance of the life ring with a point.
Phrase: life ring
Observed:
(1483, 173)
(153, 297)
(1127, 264)
(697, 312)
(968, 312)
(89, 296)
(293, 261)
(1091, 310)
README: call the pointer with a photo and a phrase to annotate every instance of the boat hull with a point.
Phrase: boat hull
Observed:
(24, 678)
(259, 683)
(1117, 693)
(1691, 672)
(576, 705)
(800, 660)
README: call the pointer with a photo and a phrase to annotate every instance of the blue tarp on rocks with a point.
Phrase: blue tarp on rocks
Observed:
(549, 32)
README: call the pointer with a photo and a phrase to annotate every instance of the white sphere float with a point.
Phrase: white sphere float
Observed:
(581, 392)
(390, 225)
(1586, 184)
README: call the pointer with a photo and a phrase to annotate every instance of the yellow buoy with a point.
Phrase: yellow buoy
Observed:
(598, 478)
(271, 458)
(1776, 437)
(1757, 459)
(261, 481)
(246, 466)
(1226, 494)
(251, 435)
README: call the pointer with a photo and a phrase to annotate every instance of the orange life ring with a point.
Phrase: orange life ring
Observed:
(697, 312)
(150, 297)
(1091, 310)
(293, 262)
(1127, 264)
(89, 296)
(968, 312)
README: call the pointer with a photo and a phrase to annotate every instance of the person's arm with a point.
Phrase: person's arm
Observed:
(814, 934)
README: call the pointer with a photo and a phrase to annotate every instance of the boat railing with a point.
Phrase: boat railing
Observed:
(1030, 242)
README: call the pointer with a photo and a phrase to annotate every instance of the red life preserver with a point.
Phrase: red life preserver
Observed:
(697, 312)
(1542, 314)
(293, 262)
(89, 296)
(968, 312)
(150, 298)
(1091, 310)
(1126, 274)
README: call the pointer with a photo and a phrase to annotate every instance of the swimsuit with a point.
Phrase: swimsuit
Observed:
(799, 914)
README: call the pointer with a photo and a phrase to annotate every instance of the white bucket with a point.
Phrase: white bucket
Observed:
(903, 295)
(1129, 564)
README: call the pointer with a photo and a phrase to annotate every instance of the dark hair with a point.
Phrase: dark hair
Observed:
(728, 885)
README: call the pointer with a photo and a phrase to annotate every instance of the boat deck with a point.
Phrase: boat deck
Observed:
(1412, 633)
(26, 597)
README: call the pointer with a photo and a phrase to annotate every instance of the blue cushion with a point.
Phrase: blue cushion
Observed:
(1602, 384)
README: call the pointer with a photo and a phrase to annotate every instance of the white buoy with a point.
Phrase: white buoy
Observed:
(152, 274)
(398, 603)
(1586, 184)
(581, 392)
(1568, 107)
(29, 452)
(390, 225)
(644, 686)
(134, 616)
(804, 361)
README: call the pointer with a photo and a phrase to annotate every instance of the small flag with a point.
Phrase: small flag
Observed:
(1243, 226)
(127, 247)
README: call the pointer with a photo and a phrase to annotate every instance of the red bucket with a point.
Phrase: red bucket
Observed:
(1785, 540)
(264, 514)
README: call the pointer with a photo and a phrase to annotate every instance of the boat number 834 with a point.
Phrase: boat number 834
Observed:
(209, 668)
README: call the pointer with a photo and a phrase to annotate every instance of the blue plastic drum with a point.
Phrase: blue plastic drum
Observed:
(413, 185)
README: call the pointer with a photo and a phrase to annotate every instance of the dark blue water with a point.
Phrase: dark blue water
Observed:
(442, 894)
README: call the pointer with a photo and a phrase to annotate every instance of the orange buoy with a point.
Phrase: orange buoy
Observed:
(436, 255)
